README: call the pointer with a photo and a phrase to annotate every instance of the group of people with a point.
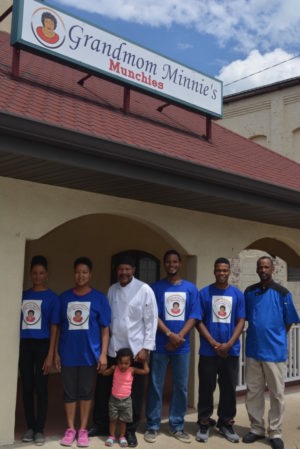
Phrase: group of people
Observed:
(139, 330)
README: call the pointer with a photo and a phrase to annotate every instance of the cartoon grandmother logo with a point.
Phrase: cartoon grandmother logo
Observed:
(48, 28)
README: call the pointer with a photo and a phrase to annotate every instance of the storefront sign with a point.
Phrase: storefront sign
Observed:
(58, 35)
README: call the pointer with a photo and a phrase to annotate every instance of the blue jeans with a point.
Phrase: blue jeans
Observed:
(178, 404)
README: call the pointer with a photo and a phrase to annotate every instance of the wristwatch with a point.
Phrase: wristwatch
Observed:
(168, 333)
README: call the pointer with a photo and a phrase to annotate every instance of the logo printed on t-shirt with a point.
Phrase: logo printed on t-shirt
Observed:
(78, 314)
(222, 308)
(32, 314)
(175, 306)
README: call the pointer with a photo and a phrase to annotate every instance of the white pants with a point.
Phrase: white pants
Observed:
(258, 374)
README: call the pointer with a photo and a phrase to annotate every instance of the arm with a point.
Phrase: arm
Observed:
(109, 371)
(102, 361)
(205, 334)
(288, 327)
(144, 370)
(223, 348)
(49, 359)
(174, 339)
(150, 316)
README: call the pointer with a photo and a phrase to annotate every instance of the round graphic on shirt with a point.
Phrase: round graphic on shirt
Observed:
(78, 315)
(175, 305)
(48, 28)
(222, 307)
(32, 314)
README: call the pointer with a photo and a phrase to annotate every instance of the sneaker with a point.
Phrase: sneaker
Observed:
(82, 438)
(39, 438)
(150, 436)
(251, 437)
(68, 437)
(276, 443)
(28, 436)
(226, 429)
(181, 435)
(203, 433)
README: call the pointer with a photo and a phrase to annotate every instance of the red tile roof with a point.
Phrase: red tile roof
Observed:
(48, 92)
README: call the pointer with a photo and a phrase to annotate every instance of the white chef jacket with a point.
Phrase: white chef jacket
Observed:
(133, 317)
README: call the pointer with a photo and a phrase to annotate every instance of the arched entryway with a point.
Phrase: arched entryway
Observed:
(100, 237)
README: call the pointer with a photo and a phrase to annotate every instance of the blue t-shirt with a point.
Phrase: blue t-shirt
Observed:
(176, 304)
(81, 320)
(268, 311)
(221, 308)
(39, 311)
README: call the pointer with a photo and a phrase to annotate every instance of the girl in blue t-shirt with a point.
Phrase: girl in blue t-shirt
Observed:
(39, 324)
(83, 341)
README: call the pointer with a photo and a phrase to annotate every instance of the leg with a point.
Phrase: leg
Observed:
(207, 371)
(70, 409)
(275, 373)
(112, 427)
(178, 404)
(69, 375)
(255, 400)
(85, 409)
(227, 379)
(41, 383)
(102, 394)
(86, 376)
(158, 367)
(26, 366)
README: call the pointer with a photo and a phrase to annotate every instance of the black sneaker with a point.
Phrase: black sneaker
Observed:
(226, 429)
(28, 435)
(131, 439)
(251, 437)
(276, 443)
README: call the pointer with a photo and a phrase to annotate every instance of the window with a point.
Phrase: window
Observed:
(147, 266)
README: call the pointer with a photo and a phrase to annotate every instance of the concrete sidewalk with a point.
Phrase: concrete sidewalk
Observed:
(291, 434)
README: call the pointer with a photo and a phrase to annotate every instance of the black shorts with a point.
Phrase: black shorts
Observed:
(78, 382)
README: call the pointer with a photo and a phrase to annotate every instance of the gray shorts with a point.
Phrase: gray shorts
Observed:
(120, 408)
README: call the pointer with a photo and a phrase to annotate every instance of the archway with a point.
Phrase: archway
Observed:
(100, 237)
(286, 272)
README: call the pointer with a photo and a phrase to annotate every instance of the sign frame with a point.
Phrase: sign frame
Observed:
(18, 42)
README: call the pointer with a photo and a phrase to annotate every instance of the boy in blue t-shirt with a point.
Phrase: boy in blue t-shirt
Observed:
(178, 309)
(223, 319)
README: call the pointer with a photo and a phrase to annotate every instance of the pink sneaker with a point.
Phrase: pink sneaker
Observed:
(82, 438)
(68, 437)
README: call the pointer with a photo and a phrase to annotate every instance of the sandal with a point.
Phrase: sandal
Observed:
(123, 442)
(110, 441)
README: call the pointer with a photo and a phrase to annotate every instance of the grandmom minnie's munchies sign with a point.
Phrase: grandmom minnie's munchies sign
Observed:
(68, 39)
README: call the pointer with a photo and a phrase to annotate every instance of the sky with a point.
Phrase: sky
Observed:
(227, 39)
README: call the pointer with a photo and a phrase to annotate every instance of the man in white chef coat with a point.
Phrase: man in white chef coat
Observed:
(133, 325)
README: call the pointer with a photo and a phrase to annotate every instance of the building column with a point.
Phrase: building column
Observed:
(12, 252)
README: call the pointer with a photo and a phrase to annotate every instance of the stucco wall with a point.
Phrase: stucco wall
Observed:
(29, 211)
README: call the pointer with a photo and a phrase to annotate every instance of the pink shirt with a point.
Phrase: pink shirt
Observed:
(122, 383)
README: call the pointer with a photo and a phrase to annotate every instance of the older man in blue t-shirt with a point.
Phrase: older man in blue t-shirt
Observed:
(178, 309)
(270, 314)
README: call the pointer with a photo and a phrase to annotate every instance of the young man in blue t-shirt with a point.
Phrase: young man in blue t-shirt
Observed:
(178, 309)
(223, 319)
(270, 314)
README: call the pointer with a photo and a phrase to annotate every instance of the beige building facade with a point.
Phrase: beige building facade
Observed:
(65, 223)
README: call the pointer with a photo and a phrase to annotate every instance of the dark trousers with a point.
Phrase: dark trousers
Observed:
(102, 394)
(227, 372)
(32, 356)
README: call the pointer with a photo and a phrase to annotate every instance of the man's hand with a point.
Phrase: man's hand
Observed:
(47, 364)
(102, 363)
(142, 356)
(170, 347)
(222, 350)
(176, 340)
